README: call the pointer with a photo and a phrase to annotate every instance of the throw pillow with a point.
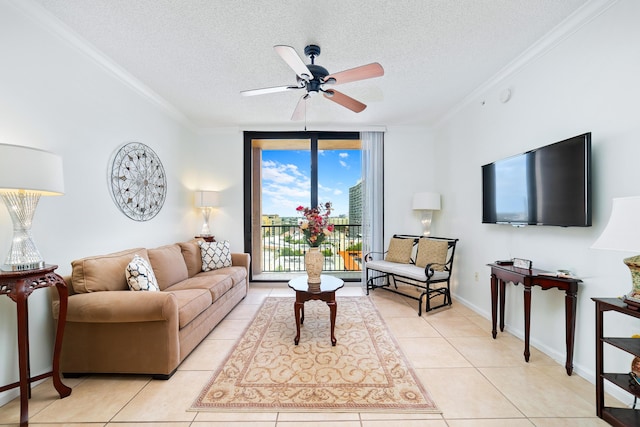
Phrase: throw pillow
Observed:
(140, 275)
(215, 255)
(432, 251)
(399, 250)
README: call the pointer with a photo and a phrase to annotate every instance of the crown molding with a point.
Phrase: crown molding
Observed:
(46, 20)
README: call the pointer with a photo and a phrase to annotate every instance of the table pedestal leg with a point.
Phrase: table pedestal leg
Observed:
(63, 294)
(297, 308)
(333, 306)
(494, 305)
(23, 352)
(502, 299)
(570, 316)
(527, 320)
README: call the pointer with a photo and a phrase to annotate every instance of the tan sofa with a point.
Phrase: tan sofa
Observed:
(111, 329)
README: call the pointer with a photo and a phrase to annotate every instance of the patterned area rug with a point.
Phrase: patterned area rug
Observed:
(365, 372)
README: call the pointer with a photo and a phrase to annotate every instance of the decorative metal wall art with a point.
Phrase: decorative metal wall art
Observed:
(138, 183)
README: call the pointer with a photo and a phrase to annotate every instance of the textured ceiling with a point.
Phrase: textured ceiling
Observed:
(199, 54)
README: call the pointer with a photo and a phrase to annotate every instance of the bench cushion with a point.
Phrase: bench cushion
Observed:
(409, 271)
(432, 251)
(399, 250)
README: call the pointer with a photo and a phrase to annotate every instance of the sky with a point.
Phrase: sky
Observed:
(286, 180)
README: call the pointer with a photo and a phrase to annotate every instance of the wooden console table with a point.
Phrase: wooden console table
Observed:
(501, 274)
(18, 285)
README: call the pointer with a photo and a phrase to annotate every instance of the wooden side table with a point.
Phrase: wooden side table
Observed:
(323, 291)
(18, 285)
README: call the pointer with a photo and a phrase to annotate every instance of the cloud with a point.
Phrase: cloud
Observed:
(343, 155)
(280, 173)
(343, 164)
(284, 186)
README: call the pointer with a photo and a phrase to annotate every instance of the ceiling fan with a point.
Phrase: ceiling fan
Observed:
(313, 78)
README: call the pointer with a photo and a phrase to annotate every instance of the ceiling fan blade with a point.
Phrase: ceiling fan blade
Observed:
(265, 90)
(291, 57)
(301, 107)
(344, 100)
(354, 74)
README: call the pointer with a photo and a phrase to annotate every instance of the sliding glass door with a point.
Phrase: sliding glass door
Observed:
(286, 170)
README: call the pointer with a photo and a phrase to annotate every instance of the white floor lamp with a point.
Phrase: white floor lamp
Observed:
(25, 175)
(427, 203)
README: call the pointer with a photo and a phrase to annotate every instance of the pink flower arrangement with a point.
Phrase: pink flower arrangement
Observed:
(315, 225)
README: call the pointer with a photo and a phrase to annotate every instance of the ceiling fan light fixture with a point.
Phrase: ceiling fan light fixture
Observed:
(312, 77)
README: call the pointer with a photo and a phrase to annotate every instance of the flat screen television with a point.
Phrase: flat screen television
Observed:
(550, 185)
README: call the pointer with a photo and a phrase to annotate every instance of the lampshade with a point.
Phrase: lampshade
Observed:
(426, 201)
(30, 169)
(622, 232)
(25, 175)
(207, 199)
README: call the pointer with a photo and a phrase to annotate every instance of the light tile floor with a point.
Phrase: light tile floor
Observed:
(474, 379)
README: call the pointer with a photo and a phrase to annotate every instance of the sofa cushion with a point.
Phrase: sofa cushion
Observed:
(432, 251)
(192, 256)
(140, 275)
(168, 265)
(215, 255)
(237, 274)
(103, 272)
(216, 285)
(399, 250)
(191, 302)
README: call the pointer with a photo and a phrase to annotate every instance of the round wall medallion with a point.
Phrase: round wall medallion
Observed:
(138, 181)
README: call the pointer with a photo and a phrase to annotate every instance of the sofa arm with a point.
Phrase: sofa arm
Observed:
(241, 260)
(119, 307)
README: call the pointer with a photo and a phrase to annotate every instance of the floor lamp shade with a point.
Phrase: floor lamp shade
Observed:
(426, 202)
(623, 234)
(25, 175)
(206, 200)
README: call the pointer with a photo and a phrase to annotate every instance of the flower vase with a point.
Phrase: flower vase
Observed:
(313, 261)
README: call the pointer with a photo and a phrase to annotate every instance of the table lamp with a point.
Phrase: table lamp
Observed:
(206, 200)
(623, 234)
(25, 175)
(427, 203)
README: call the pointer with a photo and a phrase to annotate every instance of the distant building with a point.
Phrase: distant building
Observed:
(271, 219)
(339, 220)
(355, 204)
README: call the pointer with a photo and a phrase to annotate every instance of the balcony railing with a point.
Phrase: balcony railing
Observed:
(283, 249)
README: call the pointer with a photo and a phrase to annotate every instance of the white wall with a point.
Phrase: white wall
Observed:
(409, 167)
(587, 82)
(218, 166)
(54, 97)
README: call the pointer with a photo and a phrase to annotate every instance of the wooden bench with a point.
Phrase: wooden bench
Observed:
(432, 278)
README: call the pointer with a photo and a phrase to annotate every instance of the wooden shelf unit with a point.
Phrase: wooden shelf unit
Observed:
(621, 417)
